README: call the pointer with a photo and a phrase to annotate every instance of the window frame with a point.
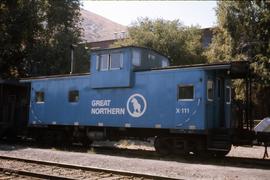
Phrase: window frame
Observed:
(121, 60)
(109, 62)
(230, 95)
(140, 58)
(164, 63)
(100, 62)
(185, 85)
(151, 56)
(43, 97)
(207, 88)
(70, 97)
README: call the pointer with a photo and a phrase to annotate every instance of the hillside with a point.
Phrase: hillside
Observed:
(98, 28)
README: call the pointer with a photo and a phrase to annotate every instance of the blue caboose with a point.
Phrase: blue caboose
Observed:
(132, 91)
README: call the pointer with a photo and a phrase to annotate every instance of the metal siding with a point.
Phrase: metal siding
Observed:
(37, 110)
(191, 114)
(112, 78)
(159, 89)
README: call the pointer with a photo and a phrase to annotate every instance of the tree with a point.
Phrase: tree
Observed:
(61, 29)
(18, 26)
(180, 43)
(243, 34)
(36, 36)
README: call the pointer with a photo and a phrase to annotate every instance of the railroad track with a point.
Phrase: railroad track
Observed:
(52, 170)
(148, 154)
(8, 173)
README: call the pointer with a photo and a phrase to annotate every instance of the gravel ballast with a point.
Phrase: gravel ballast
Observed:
(170, 168)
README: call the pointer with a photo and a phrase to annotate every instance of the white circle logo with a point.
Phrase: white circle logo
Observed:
(136, 105)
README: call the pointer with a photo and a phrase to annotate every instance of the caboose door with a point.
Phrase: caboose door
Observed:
(215, 102)
(227, 103)
(222, 103)
(219, 103)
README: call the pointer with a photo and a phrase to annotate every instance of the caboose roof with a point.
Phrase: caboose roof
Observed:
(11, 82)
(238, 69)
(54, 77)
(8, 81)
(126, 47)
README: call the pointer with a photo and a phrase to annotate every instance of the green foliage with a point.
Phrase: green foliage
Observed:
(243, 34)
(18, 25)
(220, 49)
(180, 43)
(36, 36)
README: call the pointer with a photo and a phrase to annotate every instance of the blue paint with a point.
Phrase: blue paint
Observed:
(115, 98)
(111, 78)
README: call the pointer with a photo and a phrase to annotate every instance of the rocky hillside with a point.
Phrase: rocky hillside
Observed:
(98, 28)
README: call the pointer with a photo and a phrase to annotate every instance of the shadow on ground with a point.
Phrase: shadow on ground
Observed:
(243, 162)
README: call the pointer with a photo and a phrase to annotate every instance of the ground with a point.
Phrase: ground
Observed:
(238, 165)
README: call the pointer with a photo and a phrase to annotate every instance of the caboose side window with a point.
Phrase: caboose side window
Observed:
(39, 97)
(111, 61)
(164, 63)
(116, 61)
(228, 95)
(186, 92)
(136, 58)
(210, 90)
(104, 62)
(73, 96)
(151, 57)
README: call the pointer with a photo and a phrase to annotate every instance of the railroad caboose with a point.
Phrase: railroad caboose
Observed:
(133, 92)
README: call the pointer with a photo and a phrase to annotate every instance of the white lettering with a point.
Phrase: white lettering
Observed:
(103, 107)
(110, 111)
(101, 103)
(182, 110)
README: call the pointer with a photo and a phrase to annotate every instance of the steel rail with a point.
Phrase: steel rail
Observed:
(33, 174)
(85, 168)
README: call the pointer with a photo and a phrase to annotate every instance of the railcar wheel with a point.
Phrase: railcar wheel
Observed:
(216, 153)
(86, 142)
(220, 154)
(212, 153)
(163, 146)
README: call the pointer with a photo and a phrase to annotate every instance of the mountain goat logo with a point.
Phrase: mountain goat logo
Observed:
(136, 105)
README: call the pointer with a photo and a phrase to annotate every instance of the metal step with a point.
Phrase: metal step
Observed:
(219, 140)
(217, 149)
